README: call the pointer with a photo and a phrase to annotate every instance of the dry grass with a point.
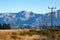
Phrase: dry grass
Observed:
(14, 35)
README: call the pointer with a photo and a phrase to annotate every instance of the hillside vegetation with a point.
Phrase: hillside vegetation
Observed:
(29, 34)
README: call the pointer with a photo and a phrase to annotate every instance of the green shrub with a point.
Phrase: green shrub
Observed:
(45, 32)
(23, 33)
(30, 33)
(32, 30)
(14, 33)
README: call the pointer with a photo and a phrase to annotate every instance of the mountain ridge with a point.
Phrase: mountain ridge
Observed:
(29, 18)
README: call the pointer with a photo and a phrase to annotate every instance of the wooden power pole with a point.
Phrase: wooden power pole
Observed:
(52, 8)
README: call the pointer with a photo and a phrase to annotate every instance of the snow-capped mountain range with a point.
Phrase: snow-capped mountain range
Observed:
(29, 18)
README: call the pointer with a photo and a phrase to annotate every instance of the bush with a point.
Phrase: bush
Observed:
(23, 33)
(54, 29)
(30, 33)
(32, 30)
(14, 33)
(45, 32)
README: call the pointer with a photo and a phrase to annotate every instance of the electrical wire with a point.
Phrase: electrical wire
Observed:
(55, 3)
(50, 3)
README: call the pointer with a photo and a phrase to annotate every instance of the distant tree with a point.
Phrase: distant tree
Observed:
(1, 26)
(25, 27)
(6, 26)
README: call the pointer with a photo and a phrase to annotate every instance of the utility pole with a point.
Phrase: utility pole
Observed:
(52, 8)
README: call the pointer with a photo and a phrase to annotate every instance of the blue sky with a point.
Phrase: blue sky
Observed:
(36, 6)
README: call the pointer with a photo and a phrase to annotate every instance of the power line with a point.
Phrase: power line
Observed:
(53, 2)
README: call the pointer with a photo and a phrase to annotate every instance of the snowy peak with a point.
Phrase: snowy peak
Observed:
(29, 18)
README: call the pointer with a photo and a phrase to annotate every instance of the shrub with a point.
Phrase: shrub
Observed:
(23, 33)
(14, 35)
(30, 33)
(45, 32)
